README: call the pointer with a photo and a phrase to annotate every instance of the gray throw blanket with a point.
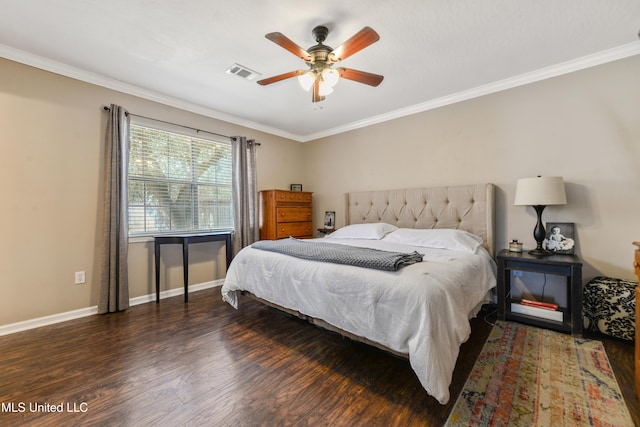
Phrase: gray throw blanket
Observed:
(340, 254)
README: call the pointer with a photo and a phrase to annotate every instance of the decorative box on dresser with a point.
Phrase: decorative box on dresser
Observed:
(636, 265)
(286, 213)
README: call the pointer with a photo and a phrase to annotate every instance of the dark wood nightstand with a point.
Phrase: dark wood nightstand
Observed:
(555, 271)
(325, 231)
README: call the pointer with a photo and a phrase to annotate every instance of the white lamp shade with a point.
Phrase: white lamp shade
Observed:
(541, 190)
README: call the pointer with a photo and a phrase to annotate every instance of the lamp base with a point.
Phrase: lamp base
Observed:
(540, 252)
(539, 234)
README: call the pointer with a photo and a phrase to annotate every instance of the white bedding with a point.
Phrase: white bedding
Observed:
(422, 310)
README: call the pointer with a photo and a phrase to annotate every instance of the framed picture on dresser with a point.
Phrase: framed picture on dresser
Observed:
(296, 187)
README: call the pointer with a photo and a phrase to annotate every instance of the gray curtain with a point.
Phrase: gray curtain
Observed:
(114, 282)
(245, 193)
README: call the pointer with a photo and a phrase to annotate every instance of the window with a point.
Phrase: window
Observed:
(178, 183)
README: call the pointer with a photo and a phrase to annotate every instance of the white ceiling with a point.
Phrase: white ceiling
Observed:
(431, 52)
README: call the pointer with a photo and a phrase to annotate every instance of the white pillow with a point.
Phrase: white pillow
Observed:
(440, 238)
(375, 231)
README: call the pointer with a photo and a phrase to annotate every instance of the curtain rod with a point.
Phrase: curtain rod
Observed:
(175, 124)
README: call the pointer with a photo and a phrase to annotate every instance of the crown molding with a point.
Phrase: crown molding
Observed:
(599, 58)
(620, 52)
(65, 70)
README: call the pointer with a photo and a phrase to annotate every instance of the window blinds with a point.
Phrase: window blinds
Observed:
(178, 183)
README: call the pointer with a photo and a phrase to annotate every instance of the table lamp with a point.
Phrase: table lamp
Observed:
(540, 192)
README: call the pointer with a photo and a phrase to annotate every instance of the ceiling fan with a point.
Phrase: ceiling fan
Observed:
(321, 77)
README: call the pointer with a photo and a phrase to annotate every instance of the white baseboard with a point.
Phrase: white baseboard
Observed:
(89, 311)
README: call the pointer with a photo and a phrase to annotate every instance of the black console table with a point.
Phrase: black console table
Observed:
(184, 240)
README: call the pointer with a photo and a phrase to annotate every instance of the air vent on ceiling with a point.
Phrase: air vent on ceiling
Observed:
(242, 71)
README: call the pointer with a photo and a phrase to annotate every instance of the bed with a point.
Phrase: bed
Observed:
(420, 311)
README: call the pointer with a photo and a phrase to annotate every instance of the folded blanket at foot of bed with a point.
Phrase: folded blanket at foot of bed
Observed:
(340, 254)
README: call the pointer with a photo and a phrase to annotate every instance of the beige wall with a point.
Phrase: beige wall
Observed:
(583, 126)
(51, 151)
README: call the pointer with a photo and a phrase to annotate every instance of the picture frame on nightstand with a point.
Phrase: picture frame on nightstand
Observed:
(560, 238)
(329, 220)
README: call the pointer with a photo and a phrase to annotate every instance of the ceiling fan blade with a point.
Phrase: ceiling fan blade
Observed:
(315, 92)
(280, 77)
(360, 76)
(363, 38)
(286, 43)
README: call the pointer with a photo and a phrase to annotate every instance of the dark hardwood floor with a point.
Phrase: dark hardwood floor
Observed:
(204, 363)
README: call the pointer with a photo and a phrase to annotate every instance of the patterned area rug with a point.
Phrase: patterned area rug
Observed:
(527, 376)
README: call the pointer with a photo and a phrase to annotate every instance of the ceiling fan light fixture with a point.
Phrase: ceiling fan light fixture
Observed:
(327, 79)
(321, 78)
(306, 80)
(330, 76)
(325, 89)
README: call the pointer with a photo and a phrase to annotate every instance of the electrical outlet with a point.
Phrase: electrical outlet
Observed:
(80, 279)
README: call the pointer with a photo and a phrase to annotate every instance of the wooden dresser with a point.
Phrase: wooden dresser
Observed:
(286, 213)
(636, 265)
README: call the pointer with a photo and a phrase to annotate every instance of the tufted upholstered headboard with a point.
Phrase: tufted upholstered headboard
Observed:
(466, 207)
